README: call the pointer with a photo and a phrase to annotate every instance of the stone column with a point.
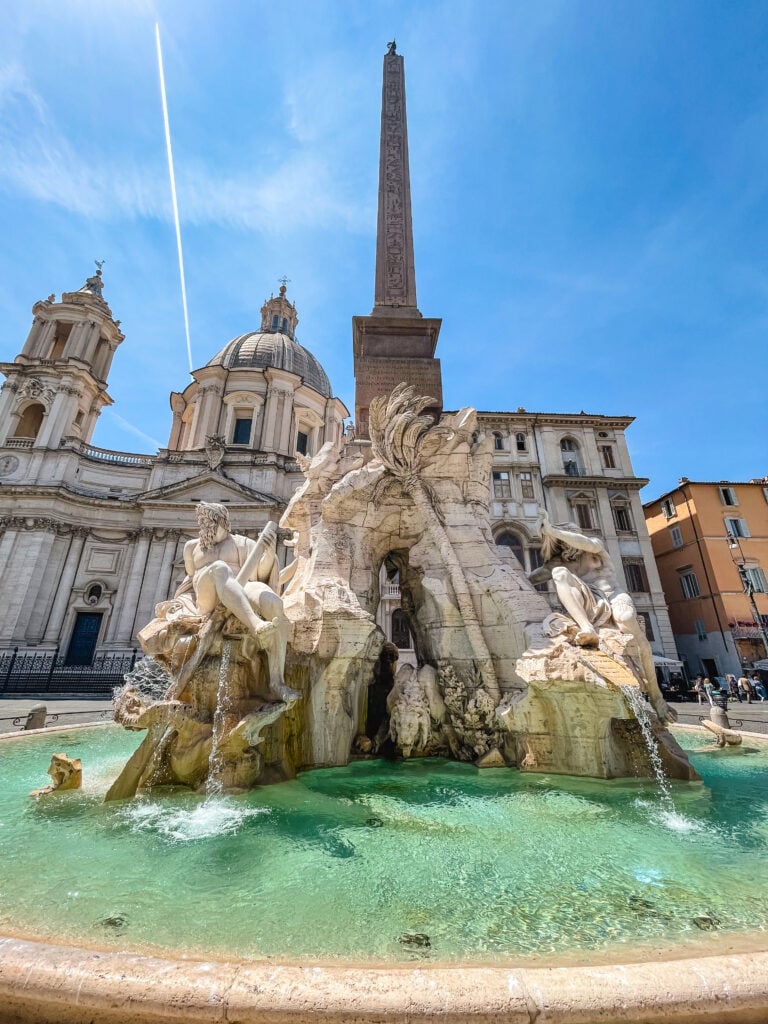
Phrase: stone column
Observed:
(6, 549)
(286, 441)
(64, 591)
(124, 632)
(40, 339)
(268, 443)
(49, 574)
(166, 566)
(91, 335)
(145, 608)
(74, 345)
(55, 421)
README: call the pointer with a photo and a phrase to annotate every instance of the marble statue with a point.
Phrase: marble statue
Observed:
(415, 707)
(587, 586)
(499, 680)
(222, 641)
(66, 773)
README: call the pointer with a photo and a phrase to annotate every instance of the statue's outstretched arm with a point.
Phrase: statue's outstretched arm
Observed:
(572, 538)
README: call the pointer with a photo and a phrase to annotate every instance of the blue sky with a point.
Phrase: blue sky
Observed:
(590, 198)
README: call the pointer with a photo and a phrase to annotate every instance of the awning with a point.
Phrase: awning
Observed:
(658, 660)
(762, 665)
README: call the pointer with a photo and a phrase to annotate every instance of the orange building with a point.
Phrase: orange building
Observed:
(710, 541)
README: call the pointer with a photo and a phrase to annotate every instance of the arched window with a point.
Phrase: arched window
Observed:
(498, 441)
(571, 454)
(521, 442)
(401, 630)
(515, 545)
(30, 421)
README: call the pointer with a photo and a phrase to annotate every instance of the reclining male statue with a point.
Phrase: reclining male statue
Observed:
(228, 571)
(587, 587)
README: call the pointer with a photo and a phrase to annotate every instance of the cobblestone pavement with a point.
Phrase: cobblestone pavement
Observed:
(70, 711)
(753, 717)
(74, 711)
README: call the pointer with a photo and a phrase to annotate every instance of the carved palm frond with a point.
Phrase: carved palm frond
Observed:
(398, 431)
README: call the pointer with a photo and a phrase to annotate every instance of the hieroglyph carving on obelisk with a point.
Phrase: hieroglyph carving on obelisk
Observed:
(395, 275)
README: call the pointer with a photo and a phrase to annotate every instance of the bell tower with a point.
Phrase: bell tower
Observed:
(57, 385)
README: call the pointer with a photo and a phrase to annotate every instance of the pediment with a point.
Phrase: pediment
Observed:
(208, 486)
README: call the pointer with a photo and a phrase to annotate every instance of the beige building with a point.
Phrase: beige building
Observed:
(710, 541)
(92, 539)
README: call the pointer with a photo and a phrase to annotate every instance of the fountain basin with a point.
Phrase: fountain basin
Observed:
(253, 883)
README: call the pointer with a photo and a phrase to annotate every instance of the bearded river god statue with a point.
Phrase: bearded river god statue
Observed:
(269, 673)
(222, 642)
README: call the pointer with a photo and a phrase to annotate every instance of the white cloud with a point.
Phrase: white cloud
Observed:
(38, 161)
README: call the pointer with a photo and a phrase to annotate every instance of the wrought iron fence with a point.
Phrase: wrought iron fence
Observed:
(45, 672)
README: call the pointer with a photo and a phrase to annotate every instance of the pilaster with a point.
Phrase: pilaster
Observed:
(64, 590)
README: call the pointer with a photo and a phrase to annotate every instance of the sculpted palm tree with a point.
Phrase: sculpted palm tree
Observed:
(403, 440)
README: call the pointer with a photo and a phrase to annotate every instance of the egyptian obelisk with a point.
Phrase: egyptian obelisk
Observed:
(395, 344)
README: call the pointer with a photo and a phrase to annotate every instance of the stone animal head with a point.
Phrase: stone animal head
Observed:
(409, 727)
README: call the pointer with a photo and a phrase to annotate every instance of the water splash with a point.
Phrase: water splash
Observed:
(637, 705)
(213, 817)
(214, 784)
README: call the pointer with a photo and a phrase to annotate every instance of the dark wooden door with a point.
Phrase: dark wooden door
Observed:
(82, 645)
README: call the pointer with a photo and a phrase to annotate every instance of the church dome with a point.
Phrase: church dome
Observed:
(262, 349)
(275, 345)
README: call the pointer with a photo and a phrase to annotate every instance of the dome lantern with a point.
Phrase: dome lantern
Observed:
(278, 314)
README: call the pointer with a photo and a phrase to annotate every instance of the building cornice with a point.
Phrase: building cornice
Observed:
(630, 483)
(581, 419)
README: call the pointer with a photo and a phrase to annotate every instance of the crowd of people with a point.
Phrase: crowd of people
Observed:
(743, 689)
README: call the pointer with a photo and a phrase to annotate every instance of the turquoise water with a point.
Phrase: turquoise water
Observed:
(426, 860)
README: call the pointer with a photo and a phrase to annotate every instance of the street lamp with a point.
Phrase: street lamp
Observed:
(749, 587)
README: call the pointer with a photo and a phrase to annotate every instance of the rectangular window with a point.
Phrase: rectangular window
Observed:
(501, 487)
(583, 515)
(728, 496)
(521, 443)
(737, 527)
(689, 584)
(623, 519)
(526, 485)
(676, 536)
(668, 509)
(242, 434)
(756, 579)
(645, 618)
(302, 440)
(634, 572)
(701, 630)
(609, 461)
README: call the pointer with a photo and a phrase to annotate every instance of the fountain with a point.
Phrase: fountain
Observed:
(493, 840)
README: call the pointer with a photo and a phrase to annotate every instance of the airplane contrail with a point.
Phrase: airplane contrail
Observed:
(173, 192)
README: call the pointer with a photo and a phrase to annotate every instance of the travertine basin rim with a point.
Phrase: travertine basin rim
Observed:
(46, 983)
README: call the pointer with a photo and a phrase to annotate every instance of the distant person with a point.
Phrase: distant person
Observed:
(733, 687)
(746, 688)
(698, 688)
(708, 687)
(759, 687)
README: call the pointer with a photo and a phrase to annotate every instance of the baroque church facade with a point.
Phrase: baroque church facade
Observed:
(91, 539)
